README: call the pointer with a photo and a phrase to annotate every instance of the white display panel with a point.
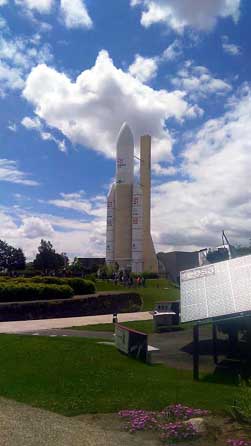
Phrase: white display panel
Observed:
(216, 290)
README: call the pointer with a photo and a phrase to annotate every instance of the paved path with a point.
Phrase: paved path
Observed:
(47, 324)
(22, 425)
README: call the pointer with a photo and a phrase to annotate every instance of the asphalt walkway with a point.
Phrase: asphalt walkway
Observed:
(47, 324)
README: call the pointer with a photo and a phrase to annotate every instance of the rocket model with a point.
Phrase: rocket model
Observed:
(129, 242)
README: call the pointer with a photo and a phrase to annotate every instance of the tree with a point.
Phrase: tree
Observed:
(76, 267)
(11, 258)
(47, 259)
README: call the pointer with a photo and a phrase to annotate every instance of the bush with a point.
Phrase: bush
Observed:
(79, 286)
(241, 408)
(92, 277)
(12, 292)
(50, 280)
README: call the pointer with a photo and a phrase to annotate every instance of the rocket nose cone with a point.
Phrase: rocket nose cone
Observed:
(125, 137)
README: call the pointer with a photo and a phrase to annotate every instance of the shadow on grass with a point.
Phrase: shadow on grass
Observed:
(206, 347)
(231, 371)
(226, 372)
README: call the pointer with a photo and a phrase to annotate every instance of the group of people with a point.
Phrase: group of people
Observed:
(128, 280)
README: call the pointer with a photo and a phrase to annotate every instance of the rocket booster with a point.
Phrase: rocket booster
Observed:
(125, 156)
(119, 204)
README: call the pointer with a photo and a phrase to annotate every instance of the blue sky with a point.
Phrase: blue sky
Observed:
(72, 71)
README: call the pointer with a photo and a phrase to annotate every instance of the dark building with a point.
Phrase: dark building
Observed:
(91, 264)
(171, 263)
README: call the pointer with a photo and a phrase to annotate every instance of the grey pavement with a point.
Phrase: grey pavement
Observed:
(46, 324)
(23, 425)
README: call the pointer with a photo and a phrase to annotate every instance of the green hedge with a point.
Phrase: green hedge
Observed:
(12, 292)
(79, 286)
(81, 306)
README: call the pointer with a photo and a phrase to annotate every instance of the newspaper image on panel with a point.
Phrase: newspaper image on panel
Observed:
(216, 290)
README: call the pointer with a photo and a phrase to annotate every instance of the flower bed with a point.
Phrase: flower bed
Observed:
(239, 442)
(171, 423)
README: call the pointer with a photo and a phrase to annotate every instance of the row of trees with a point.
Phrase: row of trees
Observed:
(11, 258)
(47, 259)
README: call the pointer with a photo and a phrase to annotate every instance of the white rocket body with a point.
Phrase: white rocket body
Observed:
(128, 209)
(119, 206)
(125, 156)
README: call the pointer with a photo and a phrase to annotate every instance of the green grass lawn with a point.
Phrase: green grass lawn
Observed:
(153, 292)
(75, 375)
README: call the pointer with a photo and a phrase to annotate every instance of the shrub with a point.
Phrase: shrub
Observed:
(50, 280)
(241, 409)
(79, 286)
(92, 277)
(4, 278)
(12, 292)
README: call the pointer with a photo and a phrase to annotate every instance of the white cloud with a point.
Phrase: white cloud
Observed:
(178, 14)
(199, 82)
(211, 193)
(82, 236)
(35, 227)
(12, 126)
(93, 206)
(215, 193)
(17, 56)
(160, 170)
(9, 172)
(31, 123)
(36, 124)
(143, 68)
(75, 14)
(173, 51)
(230, 48)
(42, 6)
(10, 78)
(90, 110)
